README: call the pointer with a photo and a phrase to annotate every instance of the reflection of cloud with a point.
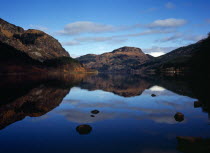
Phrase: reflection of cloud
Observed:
(81, 116)
(160, 109)
(163, 119)
(167, 23)
(157, 88)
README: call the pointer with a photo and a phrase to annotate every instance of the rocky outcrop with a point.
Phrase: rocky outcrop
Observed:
(35, 43)
(29, 51)
(125, 59)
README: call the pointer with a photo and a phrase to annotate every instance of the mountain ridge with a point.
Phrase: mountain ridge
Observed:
(123, 59)
(180, 60)
(32, 51)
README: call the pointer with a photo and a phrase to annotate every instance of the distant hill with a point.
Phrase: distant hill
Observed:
(23, 51)
(192, 58)
(188, 59)
(125, 59)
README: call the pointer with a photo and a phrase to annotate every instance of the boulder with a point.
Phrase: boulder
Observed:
(179, 117)
(95, 111)
(84, 129)
(153, 95)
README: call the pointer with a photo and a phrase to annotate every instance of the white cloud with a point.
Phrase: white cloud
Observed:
(156, 54)
(80, 40)
(194, 38)
(171, 38)
(93, 39)
(71, 43)
(115, 38)
(158, 51)
(167, 23)
(182, 37)
(85, 27)
(170, 5)
(38, 27)
(148, 32)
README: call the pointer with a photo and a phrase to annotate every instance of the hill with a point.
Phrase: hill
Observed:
(29, 51)
(125, 59)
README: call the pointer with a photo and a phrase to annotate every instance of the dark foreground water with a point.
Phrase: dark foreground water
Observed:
(54, 115)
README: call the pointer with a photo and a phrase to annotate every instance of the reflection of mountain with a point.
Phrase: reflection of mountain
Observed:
(123, 85)
(134, 85)
(35, 98)
(31, 96)
(188, 144)
(119, 109)
(36, 102)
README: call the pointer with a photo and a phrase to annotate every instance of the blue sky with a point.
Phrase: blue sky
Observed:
(98, 26)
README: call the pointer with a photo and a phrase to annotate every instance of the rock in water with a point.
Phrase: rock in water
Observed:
(94, 111)
(153, 95)
(179, 117)
(84, 129)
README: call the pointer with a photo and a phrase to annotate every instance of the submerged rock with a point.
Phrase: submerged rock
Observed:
(95, 111)
(197, 104)
(179, 117)
(84, 129)
(92, 115)
(153, 95)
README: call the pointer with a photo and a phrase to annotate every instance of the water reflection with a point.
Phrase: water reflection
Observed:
(138, 113)
(160, 109)
(188, 144)
(34, 97)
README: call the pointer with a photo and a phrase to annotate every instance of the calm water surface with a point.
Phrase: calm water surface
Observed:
(46, 115)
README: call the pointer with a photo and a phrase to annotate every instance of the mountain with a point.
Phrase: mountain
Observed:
(191, 59)
(23, 51)
(125, 59)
